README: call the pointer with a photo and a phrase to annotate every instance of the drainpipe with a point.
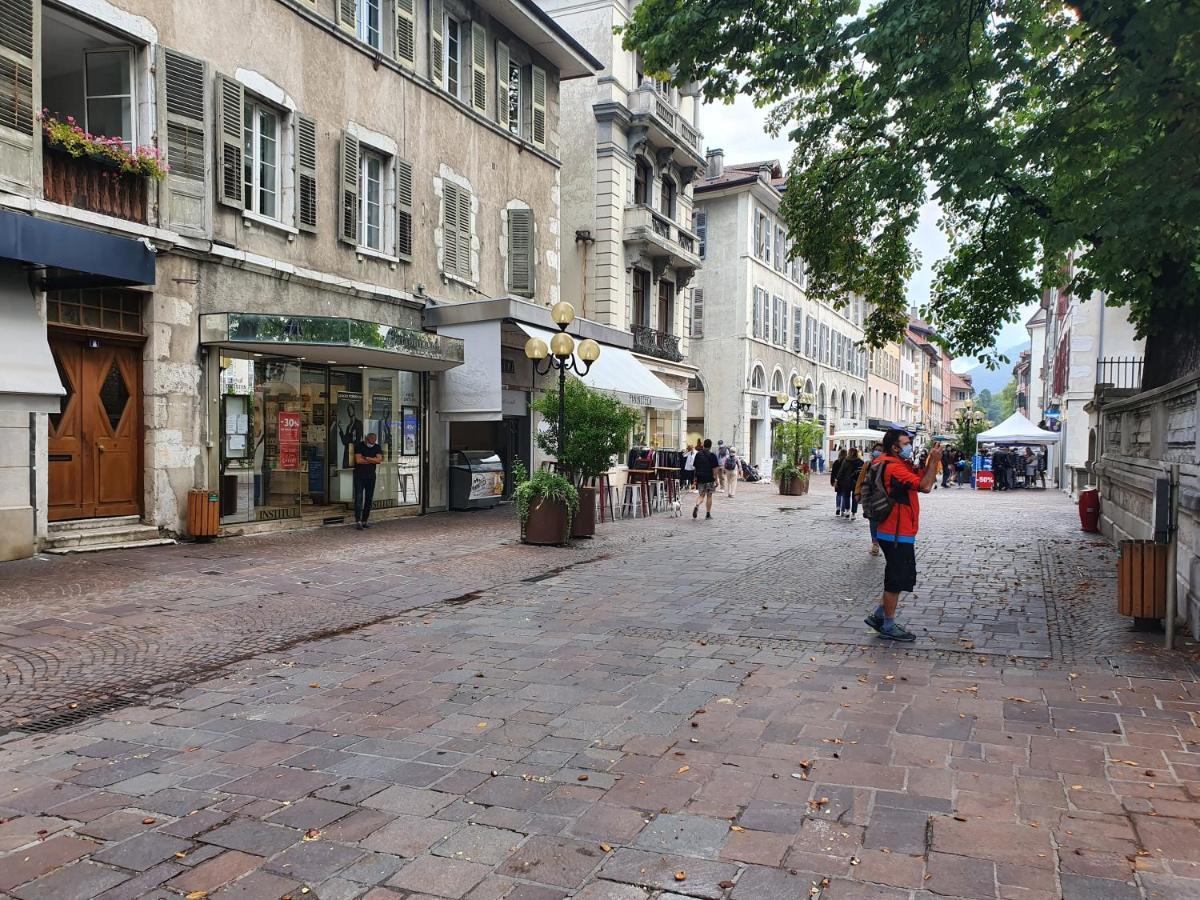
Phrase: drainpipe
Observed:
(1172, 558)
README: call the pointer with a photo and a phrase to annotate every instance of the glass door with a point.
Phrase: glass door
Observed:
(314, 399)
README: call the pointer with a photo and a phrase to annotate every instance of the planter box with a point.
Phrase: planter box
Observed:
(547, 523)
(86, 184)
(584, 523)
(793, 487)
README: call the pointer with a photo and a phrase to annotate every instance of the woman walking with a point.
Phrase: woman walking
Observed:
(847, 477)
(876, 452)
(687, 472)
(834, 468)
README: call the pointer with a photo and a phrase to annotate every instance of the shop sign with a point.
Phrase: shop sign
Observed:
(485, 485)
(984, 481)
(288, 433)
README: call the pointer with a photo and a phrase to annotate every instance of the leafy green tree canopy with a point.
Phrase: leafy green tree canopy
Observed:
(1042, 128)
(598, 428)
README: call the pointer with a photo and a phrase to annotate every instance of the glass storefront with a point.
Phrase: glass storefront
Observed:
(287, 435)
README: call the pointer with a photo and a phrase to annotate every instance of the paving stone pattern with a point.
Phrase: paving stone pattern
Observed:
(677, 709)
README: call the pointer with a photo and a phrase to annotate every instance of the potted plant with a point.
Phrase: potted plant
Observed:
(795, 441)
(597, 426)
(546, 505)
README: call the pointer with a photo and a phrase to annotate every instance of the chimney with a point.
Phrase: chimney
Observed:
(716, 163)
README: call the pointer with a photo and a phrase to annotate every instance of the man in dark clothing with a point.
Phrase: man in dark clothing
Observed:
(844, 481)
(706, 468)
(367, 457)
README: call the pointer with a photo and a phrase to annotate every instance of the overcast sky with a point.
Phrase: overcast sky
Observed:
(740, 130)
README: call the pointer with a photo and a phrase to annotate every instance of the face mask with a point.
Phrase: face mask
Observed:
(875, 454)
(906, 451)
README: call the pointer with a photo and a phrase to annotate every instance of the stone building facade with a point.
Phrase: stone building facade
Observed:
(235, 326)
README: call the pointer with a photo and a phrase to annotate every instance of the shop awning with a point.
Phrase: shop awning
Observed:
(333, 341)
(29, 379)
(43, 242)
(619, 374)
(474, 391)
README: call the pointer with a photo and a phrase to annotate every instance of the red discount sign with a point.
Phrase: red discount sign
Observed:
(984, 481)
(289, 440)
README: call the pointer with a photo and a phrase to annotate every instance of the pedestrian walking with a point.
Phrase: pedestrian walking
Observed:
(732, 467)
(722, 453)
(833, 477)
(847, 477)
(947, 466)
(876, 452)
(821, 461)
(687, 473)
(706, 467)
(368, 454)
(890, 499)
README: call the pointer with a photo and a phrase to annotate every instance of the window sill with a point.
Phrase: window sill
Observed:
(367, 252)
(253, 218)
(450, 276)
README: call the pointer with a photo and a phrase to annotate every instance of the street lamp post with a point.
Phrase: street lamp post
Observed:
(801, 404)
(560, 355)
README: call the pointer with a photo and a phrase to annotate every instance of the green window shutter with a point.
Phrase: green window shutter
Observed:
(349, 189)
(464, 233)
(450, 228)
(231, 101)
(306, 173)
(437, 32)
(502, 83)
(479, 88)
(185, 196)
(520, 252)
(404, 209)
(538, 116)
(17, 20)
(346, 18)
(406, 33)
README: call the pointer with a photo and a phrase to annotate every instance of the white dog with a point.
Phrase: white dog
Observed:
(676, 509)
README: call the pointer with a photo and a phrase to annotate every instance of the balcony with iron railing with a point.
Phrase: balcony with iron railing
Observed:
(658, 237)
(666, 126)
(1121, 372)
(653, 342)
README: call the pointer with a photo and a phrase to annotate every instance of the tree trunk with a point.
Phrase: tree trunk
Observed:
(1172, 347)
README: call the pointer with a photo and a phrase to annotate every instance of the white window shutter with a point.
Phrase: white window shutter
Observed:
(406, 33)
(502, 60)
(231, 101)
(479, 88)
(306, 173)
(346, 10)
(437, 39)
(404, 208)
(185, 197)
(538, 114)
(698, 313)
(20, 145)
(520, 252)
(348, 230)
(464, 233)
(449, 228)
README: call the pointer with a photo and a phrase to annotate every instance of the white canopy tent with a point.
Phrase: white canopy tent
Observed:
(1017, 429)
(857, 434)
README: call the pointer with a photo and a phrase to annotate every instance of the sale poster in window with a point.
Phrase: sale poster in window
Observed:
(288, 432)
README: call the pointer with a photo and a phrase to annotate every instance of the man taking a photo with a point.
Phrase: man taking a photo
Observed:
(897, 531)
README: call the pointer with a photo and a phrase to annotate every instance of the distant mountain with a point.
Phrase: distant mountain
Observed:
(994, 380)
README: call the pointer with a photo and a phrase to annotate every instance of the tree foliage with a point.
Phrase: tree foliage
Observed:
(990, 405)
(598, 428)
(1008, 400)
(1041, 128)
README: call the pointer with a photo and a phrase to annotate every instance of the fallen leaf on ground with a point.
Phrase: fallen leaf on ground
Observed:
(738, 828)
(681, 875)
(682, 769)
(313, 834)
(607, 848)
(315, 684)
(582, 778)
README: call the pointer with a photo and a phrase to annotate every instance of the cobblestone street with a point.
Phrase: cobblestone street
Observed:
(676, 709)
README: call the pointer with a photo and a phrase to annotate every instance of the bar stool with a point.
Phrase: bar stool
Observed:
(658, 494)
(405, 479)
(631, 501)
(605, 497)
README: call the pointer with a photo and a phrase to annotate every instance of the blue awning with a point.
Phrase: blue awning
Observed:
(44, 242)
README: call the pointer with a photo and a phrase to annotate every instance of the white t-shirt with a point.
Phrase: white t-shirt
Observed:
(689, 461)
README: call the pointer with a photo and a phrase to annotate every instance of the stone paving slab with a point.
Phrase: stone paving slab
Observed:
(638, 727)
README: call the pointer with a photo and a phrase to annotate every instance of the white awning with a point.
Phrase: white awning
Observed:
(858, 434)
(29, 379)
(1017, 429)
(619, 374)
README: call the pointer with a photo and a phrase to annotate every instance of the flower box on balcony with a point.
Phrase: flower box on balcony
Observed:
(84, 183)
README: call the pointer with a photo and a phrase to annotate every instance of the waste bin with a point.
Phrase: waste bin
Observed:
(1089, 510)
(476, 479)
(203, 515)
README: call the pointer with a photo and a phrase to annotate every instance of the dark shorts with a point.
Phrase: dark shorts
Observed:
(706, 487)
(900, 572)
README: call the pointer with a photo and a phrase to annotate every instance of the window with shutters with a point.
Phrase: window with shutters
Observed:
(453, 62)
(762, 230)
(780, 251)
(798, 331)
(16, 66)
(783, 327)
(537, 129)
(405, 30)
(521, 261)
(479, 81)
(758, 312)
(262, 128)
(514, 99)
(456, 230)
(306, 173)
(370, 22)
(371, 181)
(697, 313)
(183, 86)
(700, 220)
(776, 320)
(375, 217)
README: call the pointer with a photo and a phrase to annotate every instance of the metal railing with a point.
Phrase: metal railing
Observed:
(647, 100)
(653, 342)
(1122, 372)
(641, 219)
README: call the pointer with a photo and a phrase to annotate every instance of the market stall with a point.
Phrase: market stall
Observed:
(1015, 431)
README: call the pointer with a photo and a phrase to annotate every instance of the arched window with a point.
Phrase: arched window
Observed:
(758, 379)
(777, 381)
(791, 384)
(821, 405)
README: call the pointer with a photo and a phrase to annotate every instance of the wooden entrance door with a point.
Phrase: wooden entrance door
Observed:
(95, 443)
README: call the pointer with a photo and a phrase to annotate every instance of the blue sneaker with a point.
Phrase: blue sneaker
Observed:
(873, 621)
(897, 632)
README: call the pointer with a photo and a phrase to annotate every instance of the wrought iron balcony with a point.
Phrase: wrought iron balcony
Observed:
(86, 184)
(653, 342)
(1122, 372)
